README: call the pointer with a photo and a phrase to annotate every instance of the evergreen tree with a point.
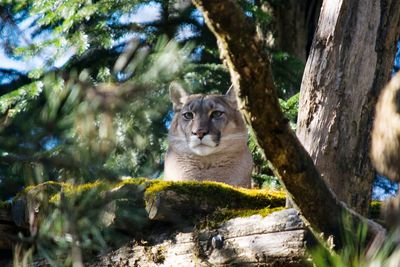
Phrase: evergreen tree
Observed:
(95, 103)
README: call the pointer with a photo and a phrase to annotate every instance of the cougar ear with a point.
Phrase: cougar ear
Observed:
(231, 97)
(177, 95)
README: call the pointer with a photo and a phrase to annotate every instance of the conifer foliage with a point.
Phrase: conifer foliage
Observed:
(84, 97)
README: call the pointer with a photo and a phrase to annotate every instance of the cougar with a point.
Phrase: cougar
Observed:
(207, 139)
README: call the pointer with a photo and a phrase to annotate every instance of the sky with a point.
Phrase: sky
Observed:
(145, 13)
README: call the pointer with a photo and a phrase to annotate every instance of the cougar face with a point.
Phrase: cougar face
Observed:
(205, 124)
(207, 140)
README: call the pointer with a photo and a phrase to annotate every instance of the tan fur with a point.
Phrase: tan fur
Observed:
(385, 149)
(221, 154)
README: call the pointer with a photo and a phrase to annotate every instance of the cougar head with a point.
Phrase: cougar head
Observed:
(205, 124)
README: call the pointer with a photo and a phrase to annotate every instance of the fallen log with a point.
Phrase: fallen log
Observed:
(279, 239)
(175, 202)
(185, 224)
(179, 202)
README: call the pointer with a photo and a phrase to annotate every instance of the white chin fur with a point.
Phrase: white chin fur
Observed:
(203, 147)
(202, 150)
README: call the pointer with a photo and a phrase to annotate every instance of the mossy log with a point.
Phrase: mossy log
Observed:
(179, 202)
(147, 199)
(230, 223)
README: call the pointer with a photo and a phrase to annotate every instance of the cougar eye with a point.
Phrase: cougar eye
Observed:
(216, 114)
(188, 115)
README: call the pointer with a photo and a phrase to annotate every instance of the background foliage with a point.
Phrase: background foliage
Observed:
(57, 121)
(84, 97)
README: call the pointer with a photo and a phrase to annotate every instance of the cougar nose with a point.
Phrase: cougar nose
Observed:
(200, 133)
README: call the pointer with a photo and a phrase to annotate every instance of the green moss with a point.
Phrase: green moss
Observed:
(221, 195)
(222, 215)
(44, 191)
(375, 209)
(88, 186)
(226, 201)
(49, 188)
(216, 193)
(134, 181)
(53, 189)
(79, 189)
(221, 202)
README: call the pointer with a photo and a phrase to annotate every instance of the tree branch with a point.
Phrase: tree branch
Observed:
(250, 70)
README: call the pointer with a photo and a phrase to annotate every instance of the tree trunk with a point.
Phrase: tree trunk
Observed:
(350, 61)
(249, 67)
(293, 26)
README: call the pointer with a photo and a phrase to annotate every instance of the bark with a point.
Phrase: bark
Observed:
(350, 61)
(279, 239)
(251, 75)
(8, 229)
(293, 26)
